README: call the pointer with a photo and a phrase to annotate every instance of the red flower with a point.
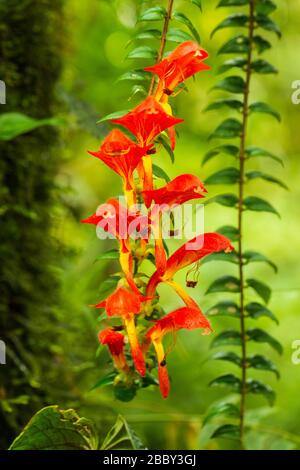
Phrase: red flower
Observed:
(147, 121)
(115, 343)
(191, 252)
(115, 219)
(181, 189)
(121, 155)
(185, 61)
(125, 303)
(182, 318)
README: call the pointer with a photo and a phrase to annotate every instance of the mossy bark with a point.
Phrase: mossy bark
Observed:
(31, 60)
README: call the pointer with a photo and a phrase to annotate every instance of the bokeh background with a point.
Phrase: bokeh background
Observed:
(91, 39)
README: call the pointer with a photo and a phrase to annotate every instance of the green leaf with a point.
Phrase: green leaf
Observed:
(230, 232)
(261, 44)
(262, 363)
(14, 124)
(232, 104)
(153, 14)
(253, 203)
(227, 380)
(55, 429)
(266, 23)
(182, 18)
(114, 115)
(256, 310)
(109, 254)
(142, 52)
(264, 7)
(229, 175)
(262, 66)
(124, 392)
(237, 45)
(177, 35)
(231, 257)
(217, 409)
(138, 90)
(262, 289)
(235, 20)
(198, 3)
(135, 75)
(121, 436)
(224, 284)
(108, 379)
(238, 62)
(228, 129)
(148, 34)
(160, 173)
(232, 3)
(227, 338)
(271, 179)
(258, 388)
(260, 107)
(254, 151)
(228, 356)
(227, 431)
(233, 84)
(227, 149)
(254, 256)
(227, 200)
(224, 308)
(108, 285)
(161, 139)
(261, 336)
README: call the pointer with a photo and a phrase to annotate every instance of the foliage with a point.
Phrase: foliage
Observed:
(253, 21)
(54, 429)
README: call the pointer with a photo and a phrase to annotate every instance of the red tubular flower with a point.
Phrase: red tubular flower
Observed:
(147, 121)
(115, 343)
(191, 252)
(122, 156)
(115, 219)
(181, 189)
(185, 61)
(182, 318)
(126, 303)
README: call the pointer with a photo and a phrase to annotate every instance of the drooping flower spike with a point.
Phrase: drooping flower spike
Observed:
(115, 342)
(125, 303)
(182, 318)
(125, 156)
(122, 155)
(185, 61)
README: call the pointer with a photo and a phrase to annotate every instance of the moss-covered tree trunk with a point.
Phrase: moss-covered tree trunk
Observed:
(30, 65)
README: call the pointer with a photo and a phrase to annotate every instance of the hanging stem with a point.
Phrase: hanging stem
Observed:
(163, 40)
(240, 217)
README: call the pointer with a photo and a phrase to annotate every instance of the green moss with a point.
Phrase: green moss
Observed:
(31, 60)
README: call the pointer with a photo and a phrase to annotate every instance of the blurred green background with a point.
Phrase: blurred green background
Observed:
(94, 50)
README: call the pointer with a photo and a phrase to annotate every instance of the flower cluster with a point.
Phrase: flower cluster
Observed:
(135, 303)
